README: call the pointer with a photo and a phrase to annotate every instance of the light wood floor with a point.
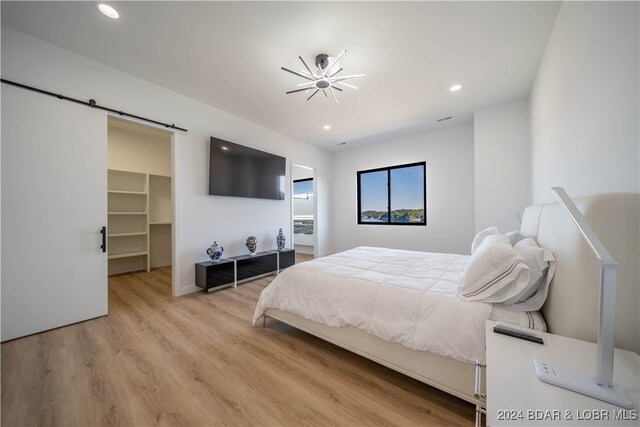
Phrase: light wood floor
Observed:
(196, 360)
(303, 257)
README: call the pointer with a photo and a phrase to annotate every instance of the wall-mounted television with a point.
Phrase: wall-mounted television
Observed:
(239, 171)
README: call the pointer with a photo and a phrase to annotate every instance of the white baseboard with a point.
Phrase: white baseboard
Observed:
(162, 263)
(303, 249)
(193, 288)
(189, 289)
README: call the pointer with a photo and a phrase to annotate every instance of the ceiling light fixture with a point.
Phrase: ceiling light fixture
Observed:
(455, 88)
(326, 127)
(109, 11)
(224, 148)
(324, 78)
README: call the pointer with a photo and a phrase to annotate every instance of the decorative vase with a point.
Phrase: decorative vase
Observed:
(280, 240)
(252, 244)
(215, 252)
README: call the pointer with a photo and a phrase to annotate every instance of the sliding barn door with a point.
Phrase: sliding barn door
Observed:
(54, 203)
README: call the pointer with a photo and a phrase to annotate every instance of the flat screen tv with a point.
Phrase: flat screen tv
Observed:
(239, 171)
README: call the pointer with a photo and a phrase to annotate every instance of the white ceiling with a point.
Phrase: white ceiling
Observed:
(229, 55)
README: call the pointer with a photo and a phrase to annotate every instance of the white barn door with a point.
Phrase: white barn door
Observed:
(54, 203)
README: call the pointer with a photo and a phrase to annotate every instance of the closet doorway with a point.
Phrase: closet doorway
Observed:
(304, 212)
(139, 199)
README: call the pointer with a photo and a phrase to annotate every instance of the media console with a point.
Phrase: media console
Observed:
(213, 275)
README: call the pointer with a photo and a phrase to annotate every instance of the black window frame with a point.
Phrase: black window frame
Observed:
(293, 193)
(389, 169)
(302, 180)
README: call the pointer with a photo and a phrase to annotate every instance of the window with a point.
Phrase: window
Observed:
(394, 195)
(303, 188)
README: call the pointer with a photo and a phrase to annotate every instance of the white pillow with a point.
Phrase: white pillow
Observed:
(495, 273)
(514, 237)
(480, 237)
(542, 267)
(534, 256)
(516, 277)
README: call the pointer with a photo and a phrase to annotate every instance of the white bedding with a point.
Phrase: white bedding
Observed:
(400, 296)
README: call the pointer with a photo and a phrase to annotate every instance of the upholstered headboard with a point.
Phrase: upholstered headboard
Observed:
(571, 308)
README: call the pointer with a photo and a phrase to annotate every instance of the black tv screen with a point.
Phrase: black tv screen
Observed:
(239, 171)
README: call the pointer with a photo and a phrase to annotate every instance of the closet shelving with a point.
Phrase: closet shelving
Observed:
(139, 206)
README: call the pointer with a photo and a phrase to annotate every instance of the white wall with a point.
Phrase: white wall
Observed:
(139, 150)
(204, 218)
(584, 102)
(303, 206)
(448, 154)
(502, 159)
(301, 172)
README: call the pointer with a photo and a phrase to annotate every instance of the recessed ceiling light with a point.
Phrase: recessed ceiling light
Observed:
(224, 148)
(455, 88)
(109, 11)
(326, 127)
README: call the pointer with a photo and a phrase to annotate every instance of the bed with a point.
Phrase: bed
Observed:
(570, 308)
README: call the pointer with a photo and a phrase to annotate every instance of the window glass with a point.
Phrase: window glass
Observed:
(374, 203)
(407, 194)
(303, 188)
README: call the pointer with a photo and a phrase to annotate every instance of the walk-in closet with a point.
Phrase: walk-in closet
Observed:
(139, 197)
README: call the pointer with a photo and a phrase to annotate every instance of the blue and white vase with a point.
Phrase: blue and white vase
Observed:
(281, 240)
(215, 252)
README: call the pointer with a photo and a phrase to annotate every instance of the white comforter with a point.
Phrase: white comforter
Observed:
(400, 296)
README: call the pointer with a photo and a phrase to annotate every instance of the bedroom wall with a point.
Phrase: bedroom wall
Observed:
(450, 212)
(585, 102)
(502, 164)
(144, 151)
(204, 218)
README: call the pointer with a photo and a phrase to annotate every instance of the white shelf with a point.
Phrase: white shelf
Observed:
(127, 255)
(126, 181)
(142, 193)
(141, 233)
(127, 213)
(139, 213)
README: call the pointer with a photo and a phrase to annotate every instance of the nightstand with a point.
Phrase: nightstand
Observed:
(516, 397)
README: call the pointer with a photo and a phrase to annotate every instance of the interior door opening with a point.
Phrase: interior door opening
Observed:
(139, 201)
(304, 212)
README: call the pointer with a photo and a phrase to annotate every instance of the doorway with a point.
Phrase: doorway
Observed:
(304, 212)
(139, 199)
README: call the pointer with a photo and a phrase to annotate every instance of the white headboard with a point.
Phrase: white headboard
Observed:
(571, 308)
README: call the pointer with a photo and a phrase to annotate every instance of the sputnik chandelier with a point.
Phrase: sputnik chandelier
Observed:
(325, 79)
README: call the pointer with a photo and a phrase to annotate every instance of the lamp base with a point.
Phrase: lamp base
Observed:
(580, 382)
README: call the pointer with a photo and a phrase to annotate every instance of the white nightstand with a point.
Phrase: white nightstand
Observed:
(516, 397)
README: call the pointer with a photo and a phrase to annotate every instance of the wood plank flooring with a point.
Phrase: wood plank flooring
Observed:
(303, 257)
(196, 360)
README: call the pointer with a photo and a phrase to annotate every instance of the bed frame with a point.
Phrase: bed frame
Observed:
(571, 308)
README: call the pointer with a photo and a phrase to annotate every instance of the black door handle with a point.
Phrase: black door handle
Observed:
(103, 246)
